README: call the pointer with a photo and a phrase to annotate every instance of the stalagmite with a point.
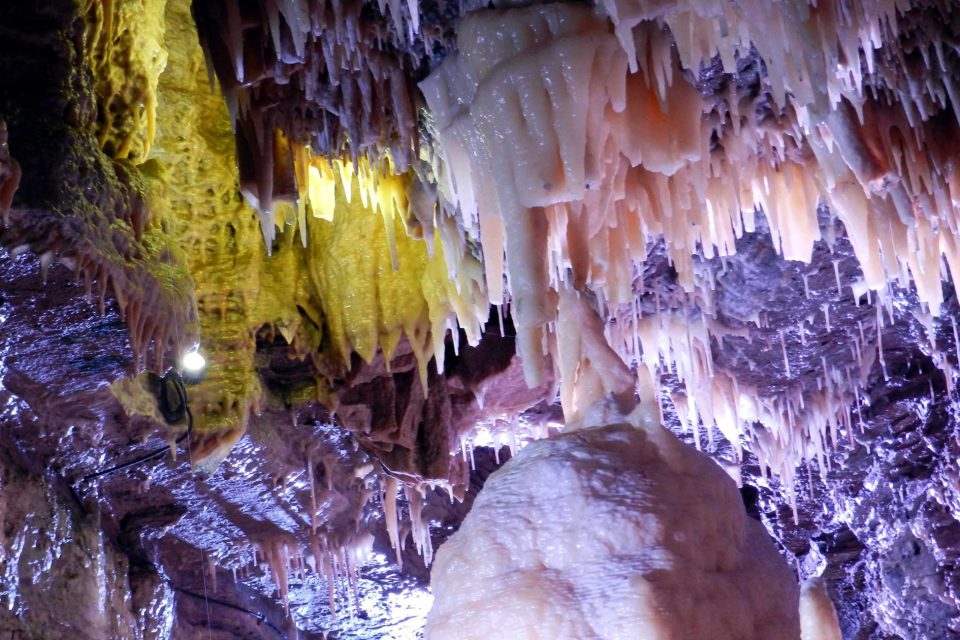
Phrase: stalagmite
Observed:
(614, 531)
(818, 618)
(378, 175)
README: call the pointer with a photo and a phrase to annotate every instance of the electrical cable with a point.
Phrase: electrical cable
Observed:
(170, 414)
(258, 615)
(261, 618)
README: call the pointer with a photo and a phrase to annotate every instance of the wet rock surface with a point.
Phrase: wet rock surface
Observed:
(882, 524)
(125, 550)
(181, 554)
(879, 521)
(156, 551)
(157, 540)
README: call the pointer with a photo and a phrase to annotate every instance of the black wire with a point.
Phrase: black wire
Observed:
(139, 558)
(182, 392)
(144, 458)
(259, 615)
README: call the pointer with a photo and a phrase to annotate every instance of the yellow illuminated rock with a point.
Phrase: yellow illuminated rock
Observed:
(126, 54)
(375, 282)
(346, 278)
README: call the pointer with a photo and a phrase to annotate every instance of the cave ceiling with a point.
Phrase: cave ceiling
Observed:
(407, 238)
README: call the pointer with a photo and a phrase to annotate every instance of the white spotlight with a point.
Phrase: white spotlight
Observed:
(192, 362)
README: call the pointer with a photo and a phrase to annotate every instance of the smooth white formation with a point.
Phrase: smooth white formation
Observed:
(611, 532)
(818, 618)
